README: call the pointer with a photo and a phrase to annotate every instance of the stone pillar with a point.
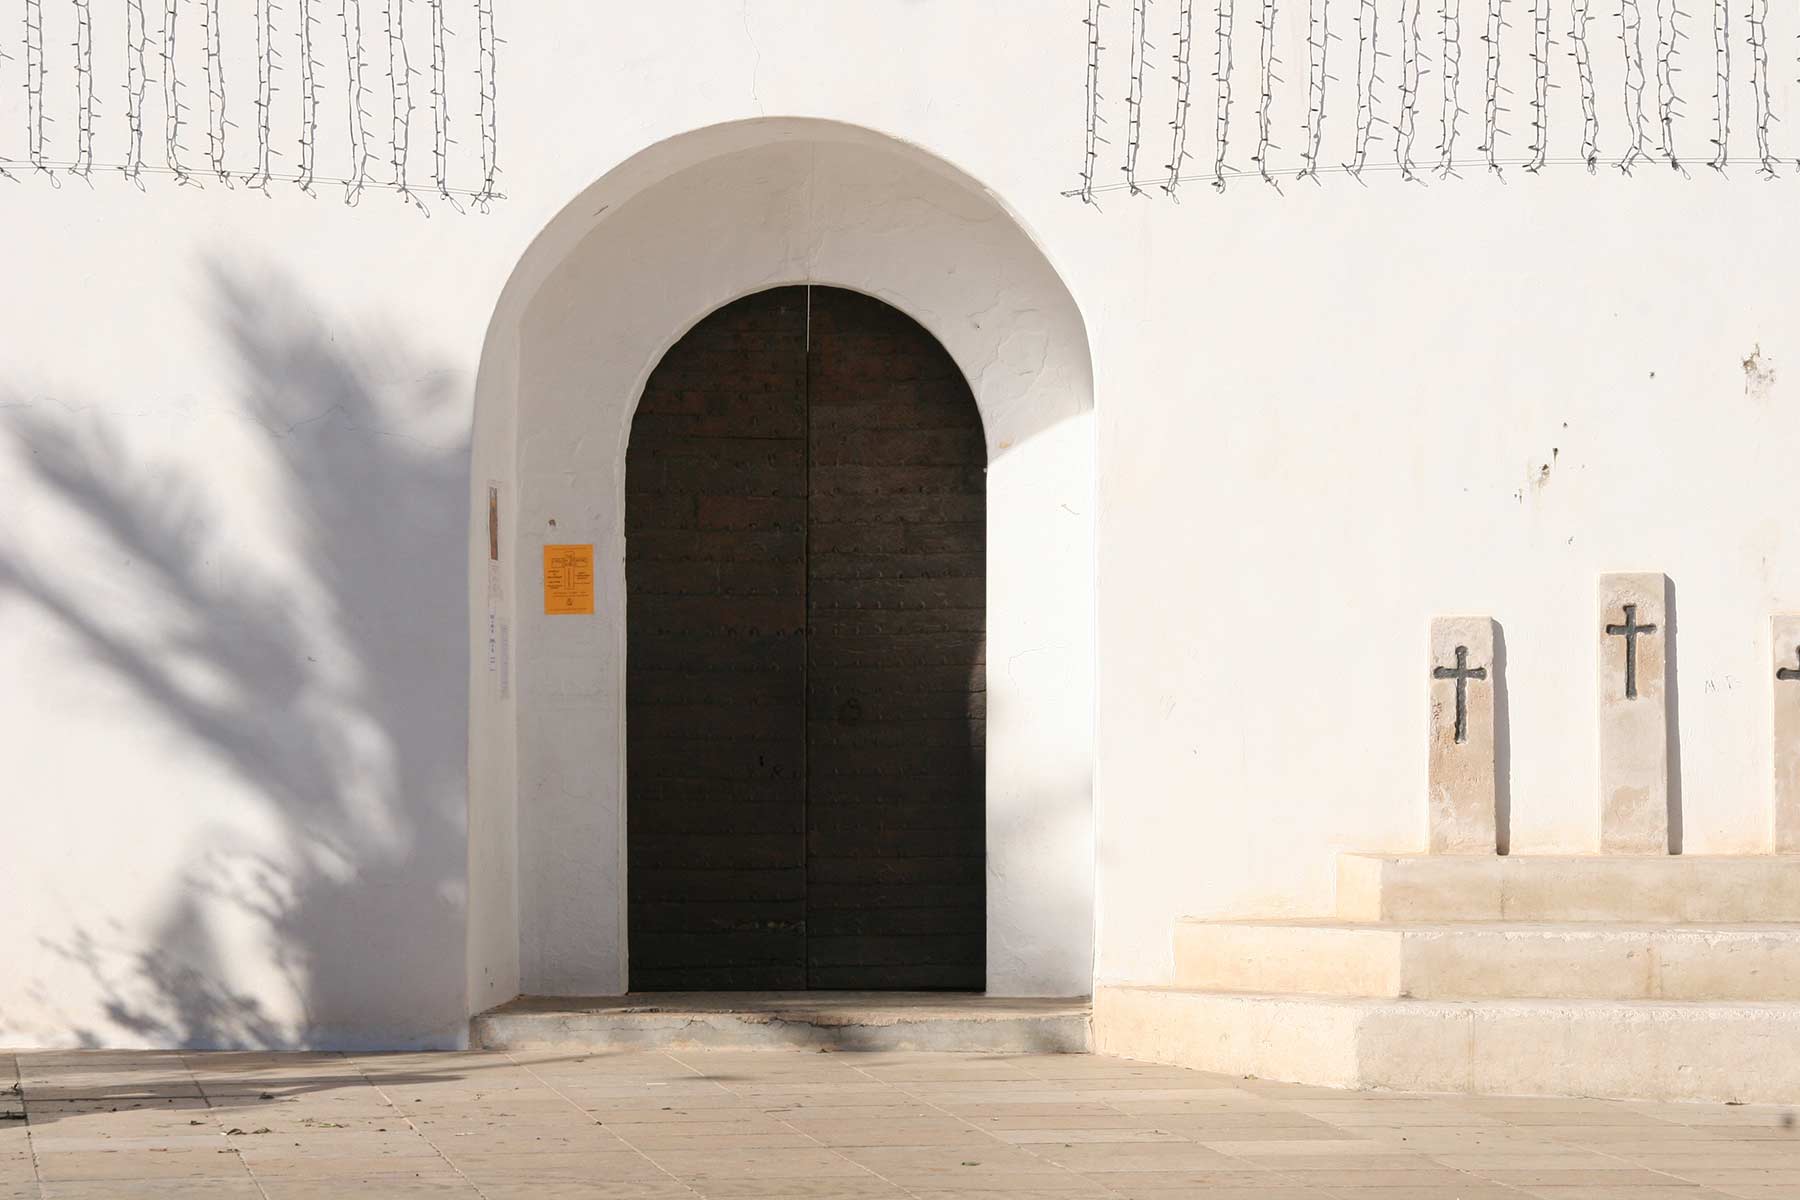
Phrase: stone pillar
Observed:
(1461, 772)
(1634, 717)
(1784, 642)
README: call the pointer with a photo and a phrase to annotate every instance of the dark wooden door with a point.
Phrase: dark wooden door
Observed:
(805, 567)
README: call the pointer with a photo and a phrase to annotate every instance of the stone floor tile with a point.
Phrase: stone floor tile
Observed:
(1435, 1191)
(1293, 1163)
(1094, 1192)
(1205, 1129)
(1603, 1192)
(1338, 1147)
(154, 1189)
(636, 1189)
(816, 1163)
(1192, 1102)
(917, 1131)
(374, 1187)
(864, 1187)
(1066, 1136)
(792, 1110)
(70, 1168)
(676, 1137)
(620, 1164)
(1073, 1187)
(1624, 1177)
(1275, 1192)
(1736, 1179)
(1332, 1178)
(49, 1142)
(892, 1162)
(1107, 1158)
(410, 1167)
(1170, 1183)
(1527, 1158)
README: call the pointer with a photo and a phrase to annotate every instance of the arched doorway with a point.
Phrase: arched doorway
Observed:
(805, 521)
(606, 288)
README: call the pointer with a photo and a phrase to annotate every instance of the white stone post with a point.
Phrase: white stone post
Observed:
(1462, 771)
(1634, 717)
(1784, 645)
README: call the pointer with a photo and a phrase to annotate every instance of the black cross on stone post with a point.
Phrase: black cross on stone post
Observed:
(1462, 672)
(1630, 631)
(1789, 672)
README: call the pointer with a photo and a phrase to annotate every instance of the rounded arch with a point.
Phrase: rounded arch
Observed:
(613, 281)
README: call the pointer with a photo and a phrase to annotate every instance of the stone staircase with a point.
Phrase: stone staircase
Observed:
(1674, 978)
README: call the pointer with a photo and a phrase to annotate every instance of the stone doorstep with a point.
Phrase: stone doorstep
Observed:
(844, 1021)
(1627, 1050)
(1693, 889)
(1476, 960)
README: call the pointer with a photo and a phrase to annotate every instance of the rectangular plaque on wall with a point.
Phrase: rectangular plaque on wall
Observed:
(569, 580)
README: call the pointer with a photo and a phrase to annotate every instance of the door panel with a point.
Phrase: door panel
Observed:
(896, 585)
(715, 504)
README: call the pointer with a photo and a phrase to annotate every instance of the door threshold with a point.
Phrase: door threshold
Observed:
(841, 1021)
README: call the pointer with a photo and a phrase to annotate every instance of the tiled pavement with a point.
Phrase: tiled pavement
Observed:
(740, 1126)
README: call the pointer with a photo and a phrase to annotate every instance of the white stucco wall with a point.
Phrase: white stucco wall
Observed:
(239, 437)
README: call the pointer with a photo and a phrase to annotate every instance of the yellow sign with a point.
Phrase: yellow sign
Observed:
(569, 580)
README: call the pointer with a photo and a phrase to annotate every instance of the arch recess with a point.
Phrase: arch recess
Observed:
(612, 283)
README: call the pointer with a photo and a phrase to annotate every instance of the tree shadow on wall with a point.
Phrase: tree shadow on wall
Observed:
(324, 673)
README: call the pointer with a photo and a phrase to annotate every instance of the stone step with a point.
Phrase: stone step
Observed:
(935, 1021)
(1632, 1050)
(1680, 888)
(1474, 960)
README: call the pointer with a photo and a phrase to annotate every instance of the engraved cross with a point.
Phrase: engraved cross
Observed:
(1630, 631)
(1462, 672)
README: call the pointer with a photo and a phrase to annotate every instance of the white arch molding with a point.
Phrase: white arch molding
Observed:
(609, 286)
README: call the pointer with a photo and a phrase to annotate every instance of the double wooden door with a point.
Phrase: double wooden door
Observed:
(805, 707)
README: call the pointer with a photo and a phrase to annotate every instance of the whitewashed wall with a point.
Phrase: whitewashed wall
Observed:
(236, 433)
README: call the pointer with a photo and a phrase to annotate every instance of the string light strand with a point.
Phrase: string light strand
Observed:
(1406, 126)
(1266, 81)
(1184, 86)
(1318, 40)
(172, 105)
(440, 101)
(1450, 55)
(400, 100)
(1540, 86)
(34, 84)
(137, 77)
(1631, 23)
(309, 97)
(488, 47)
(1759, 85)
(1668, 38)
(1490, 123)
(1721, 84)
(351, 15)
(215, 91)
(1367, 56)
(1134, 95)
(265, 94)
(84, 92)
(1226, 14)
